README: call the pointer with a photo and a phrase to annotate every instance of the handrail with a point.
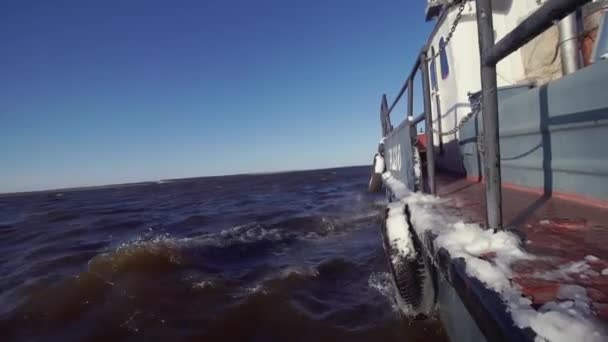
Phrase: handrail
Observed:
(421, 64)
(404, 87)
(537, 23)
(418, 119)
(384, 118)
(490, 54)
(408, 84)
(430, 151)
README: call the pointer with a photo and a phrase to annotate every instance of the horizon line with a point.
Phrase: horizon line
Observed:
(101, 186)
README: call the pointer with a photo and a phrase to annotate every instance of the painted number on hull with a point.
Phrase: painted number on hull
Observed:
(394, 154)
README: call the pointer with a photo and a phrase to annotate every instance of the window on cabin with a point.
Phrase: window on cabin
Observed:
(443, 60)
(433, 70)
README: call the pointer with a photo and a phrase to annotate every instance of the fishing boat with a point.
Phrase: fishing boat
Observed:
(497, 215)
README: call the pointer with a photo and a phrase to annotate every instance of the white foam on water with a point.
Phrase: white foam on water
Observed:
(172, 248)
(205, 284)
(312, 236)
(380, 202)
(304, 270)
(327, 225)
(260, 287)
(256, 289)
(569, 320)
(382, 282)
(248, 233)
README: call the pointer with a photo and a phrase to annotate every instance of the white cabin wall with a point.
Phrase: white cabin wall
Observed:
(463, 61)
(464, 76)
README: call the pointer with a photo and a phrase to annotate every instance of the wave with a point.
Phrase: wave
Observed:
(7, 230)
(145, 257)
(56, 216)
(300, 223)
(154, 256)
(323, 225)
(298, 266)
(153, 253)
(382, 282)
(224, 271)
(127, 286)
(194, 220)
(249, 233)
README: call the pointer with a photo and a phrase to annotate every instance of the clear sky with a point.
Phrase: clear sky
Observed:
(102, 92)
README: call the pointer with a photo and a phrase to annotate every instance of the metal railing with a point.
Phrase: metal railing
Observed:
(490, 54)
(421, 64)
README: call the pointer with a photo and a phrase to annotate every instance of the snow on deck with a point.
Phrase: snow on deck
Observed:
(497, 260)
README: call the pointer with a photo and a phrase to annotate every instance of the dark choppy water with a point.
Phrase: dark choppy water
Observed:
(293, 256)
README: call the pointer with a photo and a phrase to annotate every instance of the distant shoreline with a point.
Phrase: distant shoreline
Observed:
(168, 180)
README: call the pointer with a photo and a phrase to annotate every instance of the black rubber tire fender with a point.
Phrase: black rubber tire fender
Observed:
(375, 181)
(408, 273)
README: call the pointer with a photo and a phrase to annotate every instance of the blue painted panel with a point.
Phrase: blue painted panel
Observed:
(398, 155)
(553, 137)
(470, 131)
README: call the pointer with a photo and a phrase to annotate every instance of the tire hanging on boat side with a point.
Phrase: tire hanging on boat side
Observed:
(375, 182)
(411, 276)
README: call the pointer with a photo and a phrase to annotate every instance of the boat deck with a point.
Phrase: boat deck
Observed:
(569, 239)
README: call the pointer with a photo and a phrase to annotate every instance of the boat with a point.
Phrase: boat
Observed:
(497, 214)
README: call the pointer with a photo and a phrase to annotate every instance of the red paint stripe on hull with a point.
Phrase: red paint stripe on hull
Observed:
(566, 196)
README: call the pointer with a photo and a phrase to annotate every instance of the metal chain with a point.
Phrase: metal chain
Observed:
(449, 36)
(475, 108)
(459, 126)
(480, 146)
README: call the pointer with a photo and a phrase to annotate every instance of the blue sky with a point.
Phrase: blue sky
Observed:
(102, 92)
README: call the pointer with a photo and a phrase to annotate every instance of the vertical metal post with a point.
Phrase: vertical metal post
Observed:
(383, 116)
(382, 121)
(410, 98)
(489, 105)
(426, 94)
(410, 107)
